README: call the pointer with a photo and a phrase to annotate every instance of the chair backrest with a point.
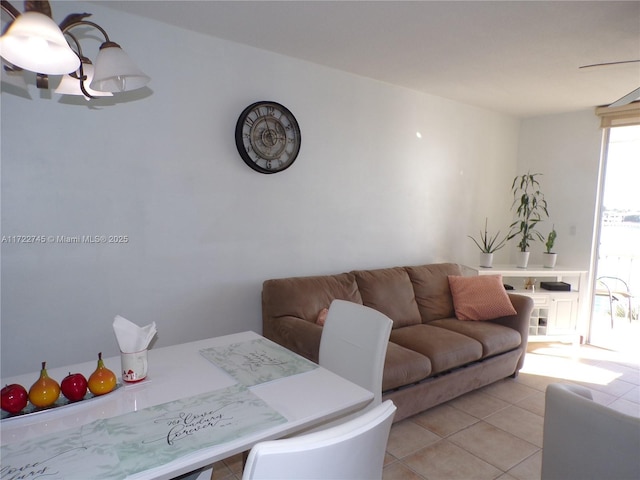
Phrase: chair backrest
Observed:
(612, 284)
(354, 345)
(585, 440)
(351, 450)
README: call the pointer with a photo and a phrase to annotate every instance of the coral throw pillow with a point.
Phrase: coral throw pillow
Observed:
(480, 298)
(322, 316)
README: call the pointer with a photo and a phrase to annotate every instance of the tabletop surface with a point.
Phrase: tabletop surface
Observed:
(184, 372)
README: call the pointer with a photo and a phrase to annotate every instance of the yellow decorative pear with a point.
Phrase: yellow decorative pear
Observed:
(45, 391)
(102, 380)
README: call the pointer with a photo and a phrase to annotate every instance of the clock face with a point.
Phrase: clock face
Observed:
(267, 137)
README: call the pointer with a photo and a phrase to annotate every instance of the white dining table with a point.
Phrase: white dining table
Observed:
(178, 373)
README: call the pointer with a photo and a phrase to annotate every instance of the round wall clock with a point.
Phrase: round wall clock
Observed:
(268, 137)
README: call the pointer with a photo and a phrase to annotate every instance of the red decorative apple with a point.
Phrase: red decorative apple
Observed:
(74, 386)
(14, 398)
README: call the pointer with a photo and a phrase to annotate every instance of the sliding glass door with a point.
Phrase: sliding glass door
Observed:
(614, 322)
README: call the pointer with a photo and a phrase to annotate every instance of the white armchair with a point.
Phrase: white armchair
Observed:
(584, 440)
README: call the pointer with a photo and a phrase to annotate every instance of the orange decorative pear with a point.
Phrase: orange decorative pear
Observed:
(45, 391)
(102, 380)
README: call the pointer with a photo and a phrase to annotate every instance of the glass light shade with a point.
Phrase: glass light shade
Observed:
(116, 72)
(34, 42)
(71, 86)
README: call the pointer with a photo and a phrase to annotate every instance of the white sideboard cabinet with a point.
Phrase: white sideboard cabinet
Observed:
(555, 314)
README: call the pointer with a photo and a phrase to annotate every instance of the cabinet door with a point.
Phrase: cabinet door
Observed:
(564, 315)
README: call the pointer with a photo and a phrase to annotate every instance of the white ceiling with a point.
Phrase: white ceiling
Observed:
(516, 57)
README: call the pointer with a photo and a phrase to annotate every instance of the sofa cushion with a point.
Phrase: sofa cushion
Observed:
(389, 291)
(403, 367)
(480, 298)
(494, 338)
(431, 288)
(445, 349)
(305, 297)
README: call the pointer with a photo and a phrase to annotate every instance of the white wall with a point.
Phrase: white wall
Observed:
(203, 229)
(566, 149)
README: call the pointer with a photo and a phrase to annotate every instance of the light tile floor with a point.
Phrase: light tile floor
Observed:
(496, 432)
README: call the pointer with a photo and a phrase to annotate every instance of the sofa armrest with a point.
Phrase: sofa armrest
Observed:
(300, 336)
(520, 321)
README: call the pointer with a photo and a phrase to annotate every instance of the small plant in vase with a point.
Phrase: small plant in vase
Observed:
(550, 257)
(531, 207)
(488, 245)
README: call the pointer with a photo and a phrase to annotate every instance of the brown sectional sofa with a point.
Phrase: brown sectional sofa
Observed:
(432, 356)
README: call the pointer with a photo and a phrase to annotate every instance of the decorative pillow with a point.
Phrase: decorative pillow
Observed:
(322, 316)
(480, 298)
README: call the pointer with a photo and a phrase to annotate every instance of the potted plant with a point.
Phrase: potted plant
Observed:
(488, 245)
(549, 258)
(530, 209)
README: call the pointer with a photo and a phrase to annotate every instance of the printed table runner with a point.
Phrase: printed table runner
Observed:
(76, 454)
(127, 444)
(257, 361)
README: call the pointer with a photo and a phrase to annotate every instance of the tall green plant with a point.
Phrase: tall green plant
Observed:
(531, 208)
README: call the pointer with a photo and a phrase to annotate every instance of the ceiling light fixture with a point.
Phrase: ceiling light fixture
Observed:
(34, 42)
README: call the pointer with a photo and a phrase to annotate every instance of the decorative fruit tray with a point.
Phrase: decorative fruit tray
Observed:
(60, 403)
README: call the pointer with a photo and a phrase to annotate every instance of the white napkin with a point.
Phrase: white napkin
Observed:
(132, 338)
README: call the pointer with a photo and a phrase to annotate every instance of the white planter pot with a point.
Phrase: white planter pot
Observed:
(549, 259)
(486, 260)
(522, 259)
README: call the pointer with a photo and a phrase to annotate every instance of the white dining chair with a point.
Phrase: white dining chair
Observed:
(584, 440)
(354, 345)
(352, 450)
